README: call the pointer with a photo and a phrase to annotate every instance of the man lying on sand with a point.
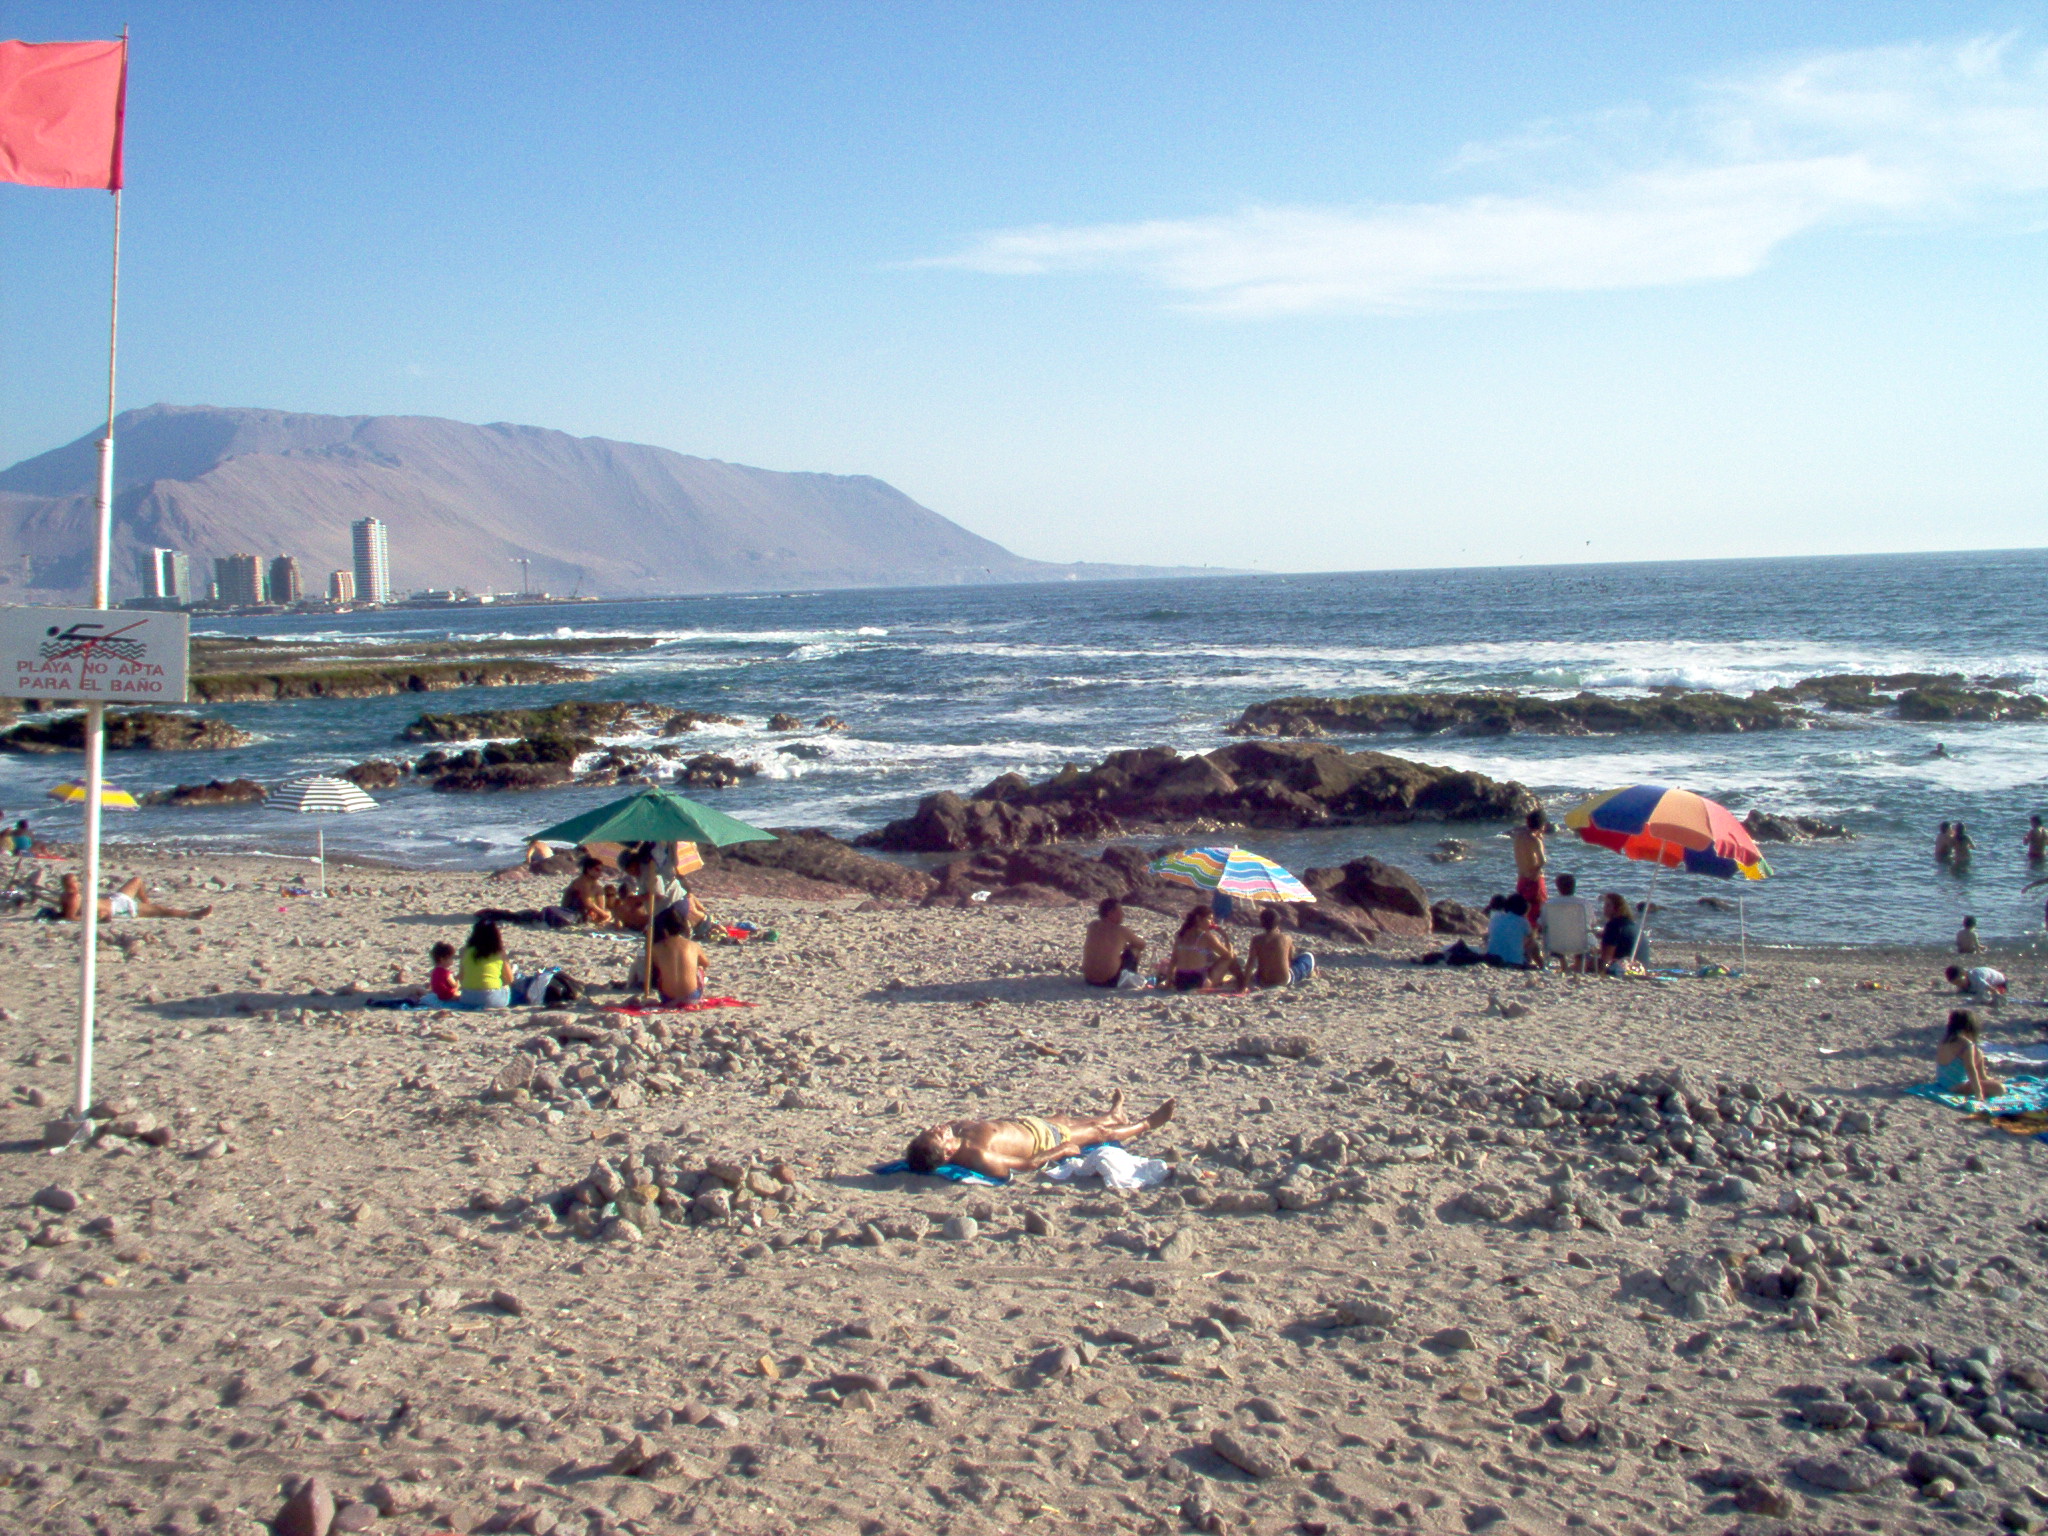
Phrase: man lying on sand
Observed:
(128, 901)
(1001, 1148)
(1110, 948)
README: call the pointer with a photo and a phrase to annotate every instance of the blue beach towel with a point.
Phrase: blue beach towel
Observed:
(951, 1171)
(2022, 1095)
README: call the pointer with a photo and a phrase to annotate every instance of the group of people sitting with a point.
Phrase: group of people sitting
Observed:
(1200, 959)
(1527, 936)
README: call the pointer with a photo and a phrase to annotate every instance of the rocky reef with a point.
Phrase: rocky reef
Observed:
(1927, 697)
(1258, 784)
(138, 730)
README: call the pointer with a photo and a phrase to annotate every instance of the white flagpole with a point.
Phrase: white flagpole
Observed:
(96, 714)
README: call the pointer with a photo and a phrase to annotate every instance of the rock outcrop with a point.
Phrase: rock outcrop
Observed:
(213, 792)
(1259, 784)
(139, 730)
(819, 856)
(1667, 710)
(1767, 828)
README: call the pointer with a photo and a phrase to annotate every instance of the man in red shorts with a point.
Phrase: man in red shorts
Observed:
(1530, 862)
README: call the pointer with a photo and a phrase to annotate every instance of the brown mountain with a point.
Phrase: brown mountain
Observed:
(464, 501)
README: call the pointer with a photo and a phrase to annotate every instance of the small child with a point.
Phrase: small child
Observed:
(1980, 982)
(442, 982)
(1967, 942)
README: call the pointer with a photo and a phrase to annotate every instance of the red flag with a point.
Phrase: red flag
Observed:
(61, 106)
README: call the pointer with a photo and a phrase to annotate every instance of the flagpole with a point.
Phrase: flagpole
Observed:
(95, 713)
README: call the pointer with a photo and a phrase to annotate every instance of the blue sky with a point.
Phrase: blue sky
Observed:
(1299, 286)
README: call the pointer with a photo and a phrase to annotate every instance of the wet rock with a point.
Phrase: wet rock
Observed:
(212, 792)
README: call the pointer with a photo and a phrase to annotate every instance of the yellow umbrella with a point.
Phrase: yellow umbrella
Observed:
(73, 792)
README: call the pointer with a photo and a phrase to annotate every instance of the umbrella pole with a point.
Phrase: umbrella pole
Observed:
(320, 836)
(1742, 914)
(1643, 927)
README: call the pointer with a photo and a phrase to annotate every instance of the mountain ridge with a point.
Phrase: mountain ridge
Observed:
(464, 502)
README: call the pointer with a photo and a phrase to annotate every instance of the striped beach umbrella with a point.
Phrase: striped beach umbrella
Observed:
(1232, 871)
(74, 792)
(319, 794)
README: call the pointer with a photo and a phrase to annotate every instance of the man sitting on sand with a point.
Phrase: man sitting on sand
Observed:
(127, 901)
(1275, 962)
(1003, 1148)
(587, 895)
(1566, 926)
(1110, 948)
(680, 968)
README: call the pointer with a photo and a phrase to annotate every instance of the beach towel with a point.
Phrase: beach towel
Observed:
(641, 1010)
(1117, 1168)
(951, 1171)
(2023, 1095)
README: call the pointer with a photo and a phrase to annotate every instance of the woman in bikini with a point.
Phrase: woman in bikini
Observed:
(1201, 959)
(1959, 1059)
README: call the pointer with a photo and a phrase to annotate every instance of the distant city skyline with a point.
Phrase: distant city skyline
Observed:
(1257, 285)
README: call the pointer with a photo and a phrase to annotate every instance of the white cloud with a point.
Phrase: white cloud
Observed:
(1633, 199)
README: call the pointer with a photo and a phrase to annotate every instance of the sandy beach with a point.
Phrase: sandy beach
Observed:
(1432, 1255)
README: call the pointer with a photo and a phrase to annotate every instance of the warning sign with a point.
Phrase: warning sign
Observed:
(93, 655)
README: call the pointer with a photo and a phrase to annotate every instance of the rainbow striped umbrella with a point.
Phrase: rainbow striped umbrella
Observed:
(1671, 828)
(1233, 872)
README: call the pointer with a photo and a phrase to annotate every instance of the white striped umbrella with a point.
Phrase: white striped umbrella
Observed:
(319, 794)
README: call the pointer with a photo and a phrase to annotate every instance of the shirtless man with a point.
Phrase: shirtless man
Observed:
(680, 968)
(587, 895)
(127, 901)
(1531, 860)
(2037, 841)
(1002, 1148)
(1110, 948)
(1274, 960)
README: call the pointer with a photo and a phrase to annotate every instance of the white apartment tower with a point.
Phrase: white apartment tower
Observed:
(373, 561)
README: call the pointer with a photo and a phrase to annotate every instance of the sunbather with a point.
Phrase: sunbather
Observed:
(1275, 960)
(1110, 948)
(128, 900)
(680, 968)
(1201, 959)
(1959, 1059)
(1001, 1148)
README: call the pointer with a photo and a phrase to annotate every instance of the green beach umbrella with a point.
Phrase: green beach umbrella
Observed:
(654, 816)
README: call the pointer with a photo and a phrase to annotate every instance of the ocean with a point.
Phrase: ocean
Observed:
(948, 687)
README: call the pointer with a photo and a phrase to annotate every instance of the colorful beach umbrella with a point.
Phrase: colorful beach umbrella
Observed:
(1671, 828)
(1232, 871)
(74, 792)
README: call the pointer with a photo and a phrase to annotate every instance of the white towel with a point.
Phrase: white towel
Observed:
(1114, 1166)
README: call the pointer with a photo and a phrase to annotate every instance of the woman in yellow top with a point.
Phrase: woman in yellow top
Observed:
(484, 970)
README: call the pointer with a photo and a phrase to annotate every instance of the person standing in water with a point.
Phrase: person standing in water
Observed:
(2036, 841)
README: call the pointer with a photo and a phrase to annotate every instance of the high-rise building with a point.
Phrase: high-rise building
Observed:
(373, 561)
(285, 586)
(239, 580)
(341, 586)
(167, 575)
